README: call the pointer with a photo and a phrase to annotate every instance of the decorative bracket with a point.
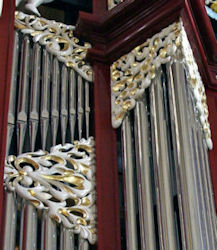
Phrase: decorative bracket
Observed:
(61, 182)
(133, 73)
(58, 39)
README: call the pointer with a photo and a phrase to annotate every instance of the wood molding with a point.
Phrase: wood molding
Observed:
(6, 49)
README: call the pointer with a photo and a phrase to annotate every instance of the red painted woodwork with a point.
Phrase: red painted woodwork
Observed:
(6, 45)
(108, 217)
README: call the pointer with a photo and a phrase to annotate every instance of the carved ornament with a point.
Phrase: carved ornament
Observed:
(62, 182)
(58, 39)
(133, 73)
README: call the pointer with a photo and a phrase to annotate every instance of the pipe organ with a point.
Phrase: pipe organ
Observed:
(107, 140)
(49, 202)
(159, 101)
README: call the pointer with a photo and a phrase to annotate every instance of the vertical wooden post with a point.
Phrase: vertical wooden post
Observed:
(6, 45)
(108, 217)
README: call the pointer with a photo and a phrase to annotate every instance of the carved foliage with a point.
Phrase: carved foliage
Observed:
(61, 181)
(58, 39)
(133, 73)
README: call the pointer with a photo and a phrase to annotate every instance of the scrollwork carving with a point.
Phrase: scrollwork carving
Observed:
(114, 3)
(61, 182)
(58, 39)
(133, 73)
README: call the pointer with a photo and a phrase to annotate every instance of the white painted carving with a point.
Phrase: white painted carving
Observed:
(133, 73)
(61, 181)
(114, 3)
(1, 7)
(32, 5)
(58, 39)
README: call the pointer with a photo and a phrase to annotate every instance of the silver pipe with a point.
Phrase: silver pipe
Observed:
(147, 228)
(205, 187)
(83, 244)
(161, 162)
(48, 233)
(196, 143)
(210, 190)
(55, 95)
(34, 97)
(28, 228)
(131, 227)
(66, 239)
(10, 218)
(80, 106)
(45, 98)
(87, 108)
(72, 103)
(23, 94)
(188, 203)
(13, 91)
(64, 102)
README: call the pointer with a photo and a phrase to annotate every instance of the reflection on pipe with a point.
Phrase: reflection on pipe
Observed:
(191, 233)
(10, 215)
(66, 239)
(162, 167)
(28, 228)
(48, 233)
(131, 229)
(147, 230)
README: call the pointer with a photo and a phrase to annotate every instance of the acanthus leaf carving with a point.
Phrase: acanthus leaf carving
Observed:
(133, 73)
(62, 182)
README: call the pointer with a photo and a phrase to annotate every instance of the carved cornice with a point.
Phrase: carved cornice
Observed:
(134, 72)
(61, 182)
(58, 39)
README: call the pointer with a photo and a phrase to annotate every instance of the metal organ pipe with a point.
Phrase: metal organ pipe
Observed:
(142, 147)
(129, 178)
(161, 165)
(56, 99)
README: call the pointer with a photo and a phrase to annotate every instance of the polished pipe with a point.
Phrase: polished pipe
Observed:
(34, 96)
(196, 143)
(164, 194)
(87, 108)
(72, 103)
(55, 95)
(48, 233)
(83, 244)
(64, 103)
(80, 105)
(186, 185)
(13, 88)
(28, 227)
(129, 178)
(66, 239)
(142, 147)
(10, 218)
(23, 99)
(45, 98)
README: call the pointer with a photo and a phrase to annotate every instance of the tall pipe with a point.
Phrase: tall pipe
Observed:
(164, 193)
(129, 179)
(142, 146)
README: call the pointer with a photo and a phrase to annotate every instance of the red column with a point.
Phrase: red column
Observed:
(108, 218)
(6, 44)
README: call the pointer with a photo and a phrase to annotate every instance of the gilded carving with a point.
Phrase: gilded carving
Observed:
(133, 73)
(61, 182)
(58, 39)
